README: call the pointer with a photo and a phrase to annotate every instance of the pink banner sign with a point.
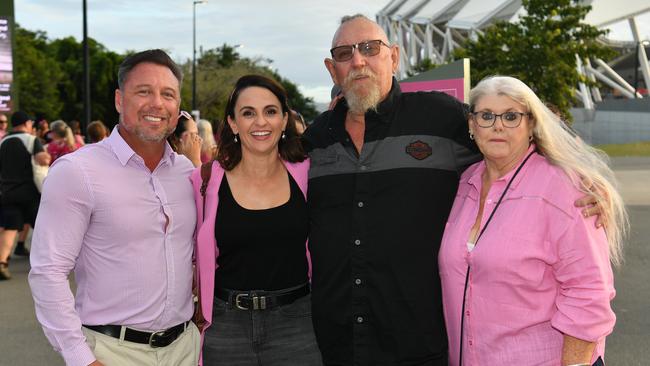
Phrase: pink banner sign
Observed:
(453, 87)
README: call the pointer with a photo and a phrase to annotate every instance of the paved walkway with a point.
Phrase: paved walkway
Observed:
(22, 341)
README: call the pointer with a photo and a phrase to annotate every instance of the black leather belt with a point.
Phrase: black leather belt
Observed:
(261, 300)
(161, 338)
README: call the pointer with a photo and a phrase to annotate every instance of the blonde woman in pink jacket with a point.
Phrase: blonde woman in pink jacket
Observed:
(251, 257)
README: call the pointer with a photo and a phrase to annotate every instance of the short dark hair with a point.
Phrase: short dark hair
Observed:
(156, 56)
(290, 148)
(97, 131)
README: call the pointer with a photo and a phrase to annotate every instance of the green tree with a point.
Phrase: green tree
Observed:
(36, 74)
(217, 71)
(424, 65)
(49, 75)
(103, 79)
(540, 49)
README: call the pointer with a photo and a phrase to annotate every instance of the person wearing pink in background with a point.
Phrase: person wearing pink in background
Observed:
(63, 140)
(251, 258)
(526, 278)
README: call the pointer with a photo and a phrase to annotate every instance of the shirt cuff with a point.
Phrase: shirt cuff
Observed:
(80, 355)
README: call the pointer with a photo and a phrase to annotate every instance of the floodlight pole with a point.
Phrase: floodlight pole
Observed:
(86, 70)
(194, 51)
(642, 58)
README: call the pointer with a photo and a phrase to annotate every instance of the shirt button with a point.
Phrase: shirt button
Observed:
(489, 201)
(360, 204)
(359, 319)
(471, 343)
(467, 313)
(357, 281)
(357, 242)
(363, 167)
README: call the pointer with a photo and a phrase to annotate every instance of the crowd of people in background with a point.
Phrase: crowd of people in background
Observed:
(53, 140)
(195, 140)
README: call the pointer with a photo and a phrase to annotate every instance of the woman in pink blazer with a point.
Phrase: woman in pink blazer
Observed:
(251, 257)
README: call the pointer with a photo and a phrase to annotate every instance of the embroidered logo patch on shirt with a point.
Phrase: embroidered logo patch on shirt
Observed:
(419, 150)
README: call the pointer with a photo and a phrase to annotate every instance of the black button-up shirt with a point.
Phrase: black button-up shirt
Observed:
(377, 219)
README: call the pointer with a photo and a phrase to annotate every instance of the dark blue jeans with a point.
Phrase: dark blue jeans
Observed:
(283, 336)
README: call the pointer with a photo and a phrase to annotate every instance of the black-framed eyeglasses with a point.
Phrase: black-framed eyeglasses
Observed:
(366, 48)
(508, 119)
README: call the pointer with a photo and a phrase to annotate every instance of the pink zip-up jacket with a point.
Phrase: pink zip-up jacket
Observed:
(206, 250)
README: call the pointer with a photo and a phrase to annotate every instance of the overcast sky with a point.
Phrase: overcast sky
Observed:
(295, 34)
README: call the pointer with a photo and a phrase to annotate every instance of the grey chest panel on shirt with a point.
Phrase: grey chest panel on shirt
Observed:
(395, 152)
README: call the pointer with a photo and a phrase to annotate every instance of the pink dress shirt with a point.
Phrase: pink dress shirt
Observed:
(104, 214)
(539, 271)
(207, 250)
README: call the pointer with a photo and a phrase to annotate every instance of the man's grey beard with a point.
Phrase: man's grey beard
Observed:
(360, 103)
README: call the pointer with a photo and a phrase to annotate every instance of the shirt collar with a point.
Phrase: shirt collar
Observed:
(124, 152)
(383, 114)
(387, 106)
(475, 177)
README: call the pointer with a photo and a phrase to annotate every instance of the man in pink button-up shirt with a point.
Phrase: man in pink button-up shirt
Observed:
(120, 213)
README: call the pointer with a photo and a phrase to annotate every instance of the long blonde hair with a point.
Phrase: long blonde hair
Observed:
(586, 166)
(64, 132)
(209, 145)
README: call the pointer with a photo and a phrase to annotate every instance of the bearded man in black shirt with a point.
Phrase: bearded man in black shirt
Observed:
(384, 173)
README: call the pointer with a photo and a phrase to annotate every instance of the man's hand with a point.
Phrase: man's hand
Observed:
(590, 208)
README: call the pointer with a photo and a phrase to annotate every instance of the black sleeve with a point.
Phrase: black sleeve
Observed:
(467, 153)
(38, 147)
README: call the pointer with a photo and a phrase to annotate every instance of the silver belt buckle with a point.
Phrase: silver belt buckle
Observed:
(238, 301)
(259, 302)
(154, 334)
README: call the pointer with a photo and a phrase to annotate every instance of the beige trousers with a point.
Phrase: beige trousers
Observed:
(113, 352)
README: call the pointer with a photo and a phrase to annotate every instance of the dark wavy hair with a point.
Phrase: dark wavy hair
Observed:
(290, 148)
(174, 138)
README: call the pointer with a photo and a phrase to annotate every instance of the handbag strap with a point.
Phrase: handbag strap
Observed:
(206, 173)
(503, 195)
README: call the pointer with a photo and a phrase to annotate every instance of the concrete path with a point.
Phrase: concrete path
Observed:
(22, 341)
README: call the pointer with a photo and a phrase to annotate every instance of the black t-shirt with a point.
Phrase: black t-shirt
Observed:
(377, 220)
(261, 249)
(16, 176)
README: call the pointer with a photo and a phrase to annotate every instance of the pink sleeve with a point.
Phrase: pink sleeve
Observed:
(586, 282)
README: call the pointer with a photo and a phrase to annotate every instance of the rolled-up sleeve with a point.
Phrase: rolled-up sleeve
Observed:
(63, 217)
(586, 282)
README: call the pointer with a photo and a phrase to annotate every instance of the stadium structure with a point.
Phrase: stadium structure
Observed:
(432, 29)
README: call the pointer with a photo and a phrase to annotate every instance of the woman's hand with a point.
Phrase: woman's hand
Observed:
(191, 147)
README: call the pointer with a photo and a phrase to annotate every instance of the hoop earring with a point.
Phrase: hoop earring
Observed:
(235, 138)
(530, 138)
(471, 135)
